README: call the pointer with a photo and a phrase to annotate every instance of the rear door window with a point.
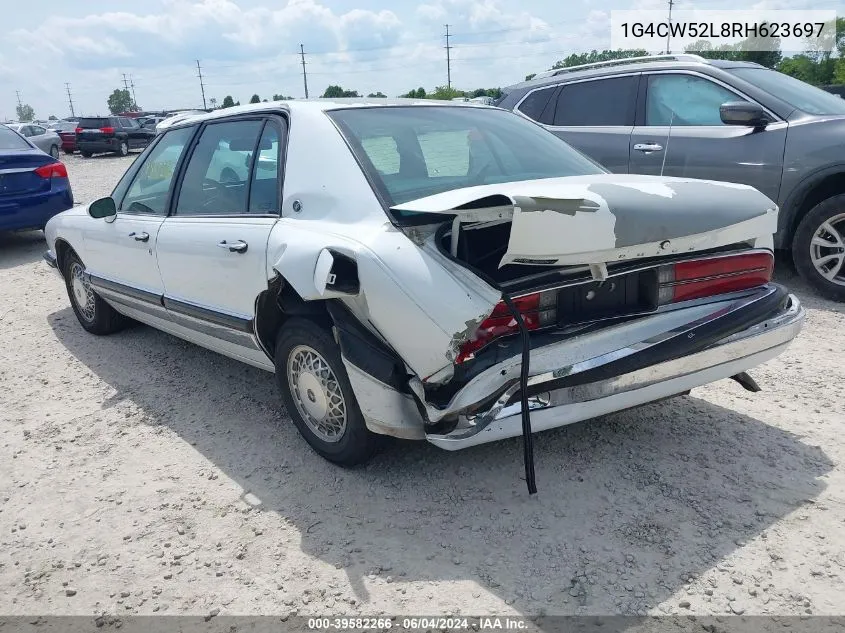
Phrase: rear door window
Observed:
(597, 103)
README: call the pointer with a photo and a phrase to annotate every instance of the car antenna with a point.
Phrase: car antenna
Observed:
(668, 136)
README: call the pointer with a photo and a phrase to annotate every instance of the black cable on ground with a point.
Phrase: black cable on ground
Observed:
(527, 437)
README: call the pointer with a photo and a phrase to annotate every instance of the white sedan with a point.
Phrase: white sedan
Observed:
(428, 270)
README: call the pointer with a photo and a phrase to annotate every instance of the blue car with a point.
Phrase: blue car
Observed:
(33, 185)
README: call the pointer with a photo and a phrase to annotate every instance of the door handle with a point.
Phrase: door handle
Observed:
(647, 148)
(234, 247)
(140, 237)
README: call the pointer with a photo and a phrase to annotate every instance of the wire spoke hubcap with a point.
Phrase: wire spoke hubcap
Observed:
(316, 393)
(827, 249)
(82, 293)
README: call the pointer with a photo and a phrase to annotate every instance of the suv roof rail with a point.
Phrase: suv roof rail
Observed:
(626, 60)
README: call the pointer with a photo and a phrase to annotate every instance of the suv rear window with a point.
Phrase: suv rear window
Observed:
(94, 124)
(11, 140)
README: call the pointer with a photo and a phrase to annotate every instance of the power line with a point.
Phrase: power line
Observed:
(70, 99)
(304, 75)
(202, 87)
(669, 30)
(132, 85)
(448, 61)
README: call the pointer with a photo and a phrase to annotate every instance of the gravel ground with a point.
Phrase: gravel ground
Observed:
(142, 474)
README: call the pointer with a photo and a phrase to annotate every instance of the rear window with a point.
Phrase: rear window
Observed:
(93, 124)
(10, 139)
(411, 152)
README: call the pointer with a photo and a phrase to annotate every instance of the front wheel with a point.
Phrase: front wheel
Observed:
(317, 394)
(123, 148)
(819, 247)
(93, 313)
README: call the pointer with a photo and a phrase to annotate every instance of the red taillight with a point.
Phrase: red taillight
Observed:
(52, 170)
(107, 130)
(717, 275)
(78, 130)
(538, 310)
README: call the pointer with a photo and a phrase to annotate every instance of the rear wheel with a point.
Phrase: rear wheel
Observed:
(54, 151)
(68, 151)
(94, 314)
(86, 154)
(123, 148)
(819, 247)
(317, 394)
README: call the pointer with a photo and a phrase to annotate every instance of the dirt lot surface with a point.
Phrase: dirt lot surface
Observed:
(142, 474)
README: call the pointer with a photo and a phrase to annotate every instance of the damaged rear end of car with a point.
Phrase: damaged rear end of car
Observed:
(526, 288)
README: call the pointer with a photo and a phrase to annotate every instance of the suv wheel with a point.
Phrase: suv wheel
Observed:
(819, 247)
(123, 149)
(317, 394)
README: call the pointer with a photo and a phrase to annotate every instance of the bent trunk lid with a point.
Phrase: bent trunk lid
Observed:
(602, 218)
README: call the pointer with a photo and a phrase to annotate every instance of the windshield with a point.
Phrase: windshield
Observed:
(793, 91)
(11, 140)
(410, 152)
(93, 124)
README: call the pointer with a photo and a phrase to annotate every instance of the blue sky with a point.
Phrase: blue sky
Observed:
(251, 46)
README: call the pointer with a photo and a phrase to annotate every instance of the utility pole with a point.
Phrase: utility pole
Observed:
(669, 32)
(18, 93)
(70, 100)
(448, 60)
(126, 88)
(202, 87)
(132, 85)
(304, 75)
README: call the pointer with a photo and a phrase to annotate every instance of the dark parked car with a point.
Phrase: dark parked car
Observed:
(33, 185)
(115, 134)
(67, 133)
(730, 121)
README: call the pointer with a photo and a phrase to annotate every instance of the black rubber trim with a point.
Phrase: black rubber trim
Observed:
(361, 348)
(50, 259)
(212, 316)
(123, 289)
(695, 340)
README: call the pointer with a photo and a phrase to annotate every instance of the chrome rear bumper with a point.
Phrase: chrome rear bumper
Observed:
(729, 356)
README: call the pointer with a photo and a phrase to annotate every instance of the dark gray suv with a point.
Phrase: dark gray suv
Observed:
(730, 121)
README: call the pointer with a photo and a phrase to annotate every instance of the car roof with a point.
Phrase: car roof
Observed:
(312, 105)
(621, 66)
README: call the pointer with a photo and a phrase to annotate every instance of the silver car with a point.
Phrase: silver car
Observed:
(48, 141)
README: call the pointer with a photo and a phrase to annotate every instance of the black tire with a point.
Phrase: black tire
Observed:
(802, 245)
(357, 443)
(104, 319)
(68, 151)
(123, 149)
(86, 154)
(54, 151)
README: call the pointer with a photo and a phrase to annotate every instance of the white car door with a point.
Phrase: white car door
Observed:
(119, 253)
(212, 250)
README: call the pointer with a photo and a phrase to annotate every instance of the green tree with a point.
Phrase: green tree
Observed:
(25, 113)
(419, 93)
(213, 103)
(52, 117)
(281, 97)
(748, 50)
(530, 76)
(801, 67)
(119, 101)
(446, 94)
(337, 92)
(228, 102)
(377, 95)
(577, 59)
(255, 99)
(494, 93)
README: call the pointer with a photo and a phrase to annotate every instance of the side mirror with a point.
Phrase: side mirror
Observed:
(103, 208)
(743, 113)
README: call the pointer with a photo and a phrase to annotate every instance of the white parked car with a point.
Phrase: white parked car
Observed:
(428, 270)
(166, 122)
